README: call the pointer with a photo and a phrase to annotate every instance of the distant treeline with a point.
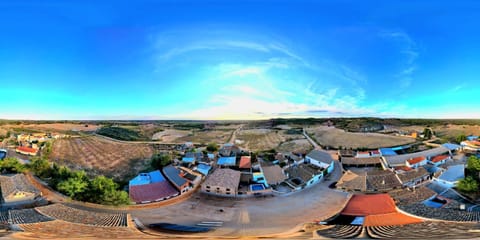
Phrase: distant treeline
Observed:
(121, 134)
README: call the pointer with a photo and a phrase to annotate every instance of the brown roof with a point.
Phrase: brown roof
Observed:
(225, 177)
(152, 192)
(16, 183)
(353, 181)
(412, 174)
(273, 174)
(364, 205)
(245, 162)
(360, 161)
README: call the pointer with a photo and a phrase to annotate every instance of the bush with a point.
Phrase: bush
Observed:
(159, 161)
(212, 147)
(468, 185)
(121, 133)
(11, 165)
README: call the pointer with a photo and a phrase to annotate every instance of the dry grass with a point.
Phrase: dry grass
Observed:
(329, 136)
(217, 136)
(101, 156)
(263, 139)
(299, 145)
(170, 135)
(455, 130)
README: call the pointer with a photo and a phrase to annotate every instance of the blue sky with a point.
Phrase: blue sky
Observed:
(239, 59)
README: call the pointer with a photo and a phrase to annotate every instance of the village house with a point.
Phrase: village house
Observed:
(439, 160)
(320, 159)
(176, 177)
(150, 187)
(26, 151)
(222, 182)
(416, 162)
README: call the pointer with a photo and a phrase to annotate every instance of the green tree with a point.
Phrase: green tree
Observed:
(40, 167)
(473, 163)
(116, 198)
(427, 133)
(159, 161)
(11, 165)
(468, 185)
(212, 147)
(460, 138)
(75, 185)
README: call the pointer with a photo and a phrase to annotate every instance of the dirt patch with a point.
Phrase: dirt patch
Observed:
(207, 136)
(263, 138)
(299, 145)
(101, 156)
(330, 136)
(170, 135)
(455, 130)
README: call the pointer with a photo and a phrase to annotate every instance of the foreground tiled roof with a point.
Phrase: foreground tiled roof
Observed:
(390, 219)
(152, 192)
(413, 174)
(364, 205)
(16, 182)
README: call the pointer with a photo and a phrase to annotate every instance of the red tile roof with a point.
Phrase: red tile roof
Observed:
(364, 205)
(245, 162)
(404, 168)
(439, 158)
(27, 149)
(375, 152)
(416, 160)
(152, 192)
(389, 219)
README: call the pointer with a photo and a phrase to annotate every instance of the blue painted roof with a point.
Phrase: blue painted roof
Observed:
(156, 176)
(387, 152)
(211, 155)
(229, 161)
(203, 168)
(188, 159)
(453, 173)
(451, 146)
(472, 137)
(147, 178)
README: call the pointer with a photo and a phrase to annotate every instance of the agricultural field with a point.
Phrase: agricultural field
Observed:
(263, 138)
(333, 137)
(452, 131)
(101, 156)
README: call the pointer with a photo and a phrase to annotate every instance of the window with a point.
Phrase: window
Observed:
(228, 193)
(228, 189)
(208, 191)
(207, 186)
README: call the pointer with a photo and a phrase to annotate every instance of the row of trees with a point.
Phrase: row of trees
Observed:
(470, 183)
(75, 184)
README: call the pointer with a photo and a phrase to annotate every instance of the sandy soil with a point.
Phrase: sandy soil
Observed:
(170, 135)
(299, 145)
(264, 139)
(455, 130)
(217, 136)
(329, 136)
